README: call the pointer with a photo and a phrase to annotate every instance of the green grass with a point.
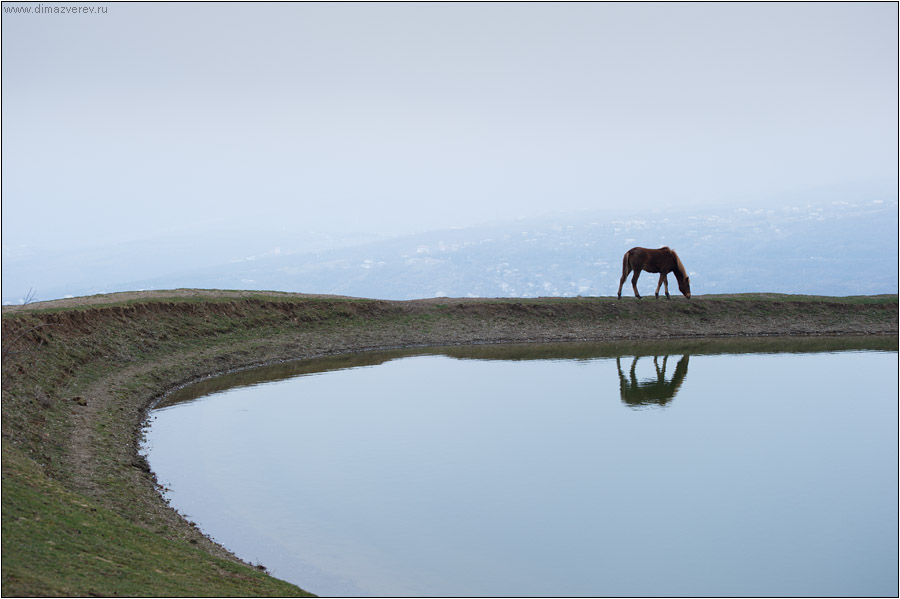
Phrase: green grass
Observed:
(59, 543)
(787, 297)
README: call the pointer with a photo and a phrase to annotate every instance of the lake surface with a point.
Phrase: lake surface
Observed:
(754, 468)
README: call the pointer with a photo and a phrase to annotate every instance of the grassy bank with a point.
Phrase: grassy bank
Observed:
(81, 514)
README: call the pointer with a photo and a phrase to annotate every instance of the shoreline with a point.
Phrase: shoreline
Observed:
(87, 371)
(487, 344)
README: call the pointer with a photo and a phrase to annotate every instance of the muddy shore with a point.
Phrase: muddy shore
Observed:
(79, 374)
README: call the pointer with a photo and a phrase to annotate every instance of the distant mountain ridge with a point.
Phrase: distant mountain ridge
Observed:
(829, 248)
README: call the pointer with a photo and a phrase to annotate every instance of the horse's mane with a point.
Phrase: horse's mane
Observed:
(681, 271)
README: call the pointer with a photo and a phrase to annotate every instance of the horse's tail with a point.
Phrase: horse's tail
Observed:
(626, 266)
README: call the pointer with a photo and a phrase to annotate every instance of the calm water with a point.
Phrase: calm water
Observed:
(684, 469)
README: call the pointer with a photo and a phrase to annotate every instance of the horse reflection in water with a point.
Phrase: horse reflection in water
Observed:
(652, 392)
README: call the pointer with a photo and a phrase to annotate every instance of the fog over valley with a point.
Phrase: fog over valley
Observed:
(821, 246)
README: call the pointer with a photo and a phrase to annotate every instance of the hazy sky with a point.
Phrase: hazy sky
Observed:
(386, 118)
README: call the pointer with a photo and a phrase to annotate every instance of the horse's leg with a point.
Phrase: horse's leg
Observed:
(637, 273)
(665, 279)
(623, 383)
(662, 278)
(626, 269)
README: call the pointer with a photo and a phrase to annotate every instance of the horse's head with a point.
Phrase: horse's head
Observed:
(684, 286)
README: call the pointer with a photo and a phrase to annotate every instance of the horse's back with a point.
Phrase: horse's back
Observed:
(649, 259)
(641, 251)
(637, 253)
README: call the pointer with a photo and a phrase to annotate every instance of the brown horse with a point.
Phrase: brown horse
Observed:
(663, 261)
